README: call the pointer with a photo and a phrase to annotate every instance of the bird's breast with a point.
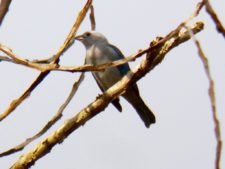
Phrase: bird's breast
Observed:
(109, 76)
(95, 56)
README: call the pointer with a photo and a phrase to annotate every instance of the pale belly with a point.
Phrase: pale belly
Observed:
(108, 78)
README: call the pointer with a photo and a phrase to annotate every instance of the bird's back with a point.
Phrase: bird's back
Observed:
(104, 53)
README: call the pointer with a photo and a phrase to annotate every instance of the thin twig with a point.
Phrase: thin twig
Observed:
(219, 26)
(42, 75)
(45, 146)
(50, 123)
(19, 60)
(4, 6)
(70, 38)
(198, 8)
(212, 96)
(92, 18)
(84, 68)
(7, 59)
(52, 66)
(13, 105)
(102, 67)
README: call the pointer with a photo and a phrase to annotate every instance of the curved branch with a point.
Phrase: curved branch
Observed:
(58, 115)
(153, 58)
(13, 105)
(212, 97)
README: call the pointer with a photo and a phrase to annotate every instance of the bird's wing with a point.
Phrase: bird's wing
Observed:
(119, 55)
(123, 68)
(115, 102)
(98, 82)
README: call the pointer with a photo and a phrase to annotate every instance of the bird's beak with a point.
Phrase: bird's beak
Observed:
(79, 37)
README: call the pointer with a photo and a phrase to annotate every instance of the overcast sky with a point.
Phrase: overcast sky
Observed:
(176, 90)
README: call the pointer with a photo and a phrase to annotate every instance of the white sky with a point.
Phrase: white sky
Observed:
(176, 90)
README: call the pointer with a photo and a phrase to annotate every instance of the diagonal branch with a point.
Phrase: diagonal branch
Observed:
(7, 59)
(54, 66)
(13, 105)
(58, 115)
(212, 96)
(75, 86)
(100, 67)
(4, 6)
(70, 38)
(153, 58)
(42, 75)
(92, 18)
(19, 60)
(212, 13)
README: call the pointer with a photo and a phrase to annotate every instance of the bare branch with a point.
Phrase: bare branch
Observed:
(212, 13)
(84, 68)
(70, 38)
(50, 123)
(13, 105)
(102, 67)
(148, 63)
(4, 6)
(212, 96)
(22, 61)
(52, 66)
(196, 12)
(18, 60)
(92, 18)
(42, 75)
(7, 59)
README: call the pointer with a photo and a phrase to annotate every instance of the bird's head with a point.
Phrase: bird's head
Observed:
(91, 38)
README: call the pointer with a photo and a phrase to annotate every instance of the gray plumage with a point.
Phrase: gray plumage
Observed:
(99, 51)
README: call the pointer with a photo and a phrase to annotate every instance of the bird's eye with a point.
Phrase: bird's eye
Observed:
(88, 34)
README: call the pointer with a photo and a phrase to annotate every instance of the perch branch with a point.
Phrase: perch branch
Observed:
(153, 57)
(84, 68)
(102, 67)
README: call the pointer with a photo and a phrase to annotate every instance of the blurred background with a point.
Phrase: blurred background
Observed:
(176, 90)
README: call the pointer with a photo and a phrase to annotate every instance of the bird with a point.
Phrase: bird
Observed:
(100, 51)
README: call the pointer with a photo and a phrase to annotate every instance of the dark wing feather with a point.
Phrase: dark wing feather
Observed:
(115, 102)
(123, 68)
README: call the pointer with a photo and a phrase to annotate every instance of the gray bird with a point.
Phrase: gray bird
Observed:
(99, 51)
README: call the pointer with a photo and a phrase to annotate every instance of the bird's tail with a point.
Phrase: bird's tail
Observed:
(142, 109)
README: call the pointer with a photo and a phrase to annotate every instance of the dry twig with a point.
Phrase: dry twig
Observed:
(21, 146)
(212, 96)
(204, 60)
(55, 60)
(212, 13)
(4, 6)
(50, 123)
(92, 18)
